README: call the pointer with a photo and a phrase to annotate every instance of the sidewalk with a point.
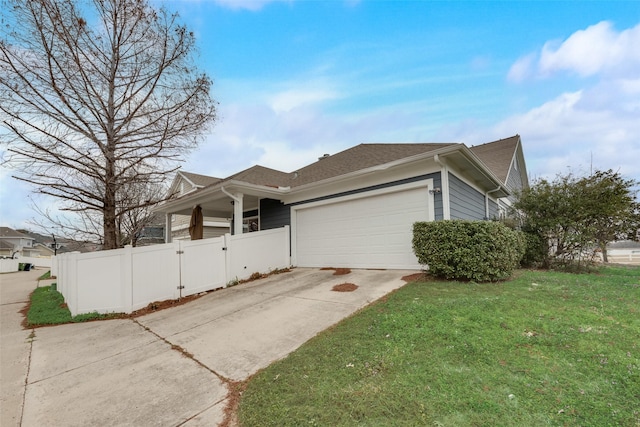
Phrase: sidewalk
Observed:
(15, 347)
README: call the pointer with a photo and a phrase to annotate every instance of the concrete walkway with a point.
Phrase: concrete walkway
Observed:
(15, 343)
(172, 367)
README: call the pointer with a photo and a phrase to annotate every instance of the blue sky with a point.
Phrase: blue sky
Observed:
(297, 79)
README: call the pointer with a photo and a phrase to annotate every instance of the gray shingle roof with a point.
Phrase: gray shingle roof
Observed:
(6, 245)
(262, 176)
(497, 155)
(10, 232)
(200, 180)
(360, 157)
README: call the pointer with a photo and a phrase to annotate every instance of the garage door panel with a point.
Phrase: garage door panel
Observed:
(371, 232)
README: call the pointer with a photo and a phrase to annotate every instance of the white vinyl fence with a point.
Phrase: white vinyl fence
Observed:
(125, 280)
(8, 265)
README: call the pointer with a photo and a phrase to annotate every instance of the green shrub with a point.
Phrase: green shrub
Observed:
(535, 251)
(481, 251)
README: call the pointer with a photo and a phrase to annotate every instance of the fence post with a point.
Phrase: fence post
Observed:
(287, 245)
(227, 259)
(127, 279)
(71, 285)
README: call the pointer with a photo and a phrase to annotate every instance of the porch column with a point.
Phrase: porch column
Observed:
(167, 228)
(237, 213)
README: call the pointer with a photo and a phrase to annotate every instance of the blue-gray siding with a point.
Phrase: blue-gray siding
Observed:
(466, 202)
(274, 214)
(514, 181)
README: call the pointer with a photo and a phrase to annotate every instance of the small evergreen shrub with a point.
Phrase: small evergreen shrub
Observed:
(482, 251)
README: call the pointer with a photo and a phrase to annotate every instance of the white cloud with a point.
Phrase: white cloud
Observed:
(595, 126)
(598, 49)
(290, 99)
(522, 68)
(572, 131)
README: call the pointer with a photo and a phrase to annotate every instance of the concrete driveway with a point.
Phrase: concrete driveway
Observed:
(172, 367)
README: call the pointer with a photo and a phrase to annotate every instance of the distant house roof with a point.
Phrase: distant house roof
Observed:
(6, 232)
(6, 245)
(498, 155)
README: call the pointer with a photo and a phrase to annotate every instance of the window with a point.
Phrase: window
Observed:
(250, 224)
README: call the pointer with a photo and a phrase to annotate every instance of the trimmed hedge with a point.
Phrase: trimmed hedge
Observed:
(482, 251)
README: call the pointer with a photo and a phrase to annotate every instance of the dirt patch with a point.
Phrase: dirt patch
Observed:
(161, 305)
(338, 271)
(236, 388)
(417, 277)
(257, 276)
(345, 287)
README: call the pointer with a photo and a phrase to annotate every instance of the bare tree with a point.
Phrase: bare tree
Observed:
(82, 225)
(98, 97)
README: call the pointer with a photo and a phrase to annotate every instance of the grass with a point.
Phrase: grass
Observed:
(543, 349)
(47, 307)
(45, 276)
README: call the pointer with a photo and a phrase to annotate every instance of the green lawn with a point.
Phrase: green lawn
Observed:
(542, 349)
(47, 307)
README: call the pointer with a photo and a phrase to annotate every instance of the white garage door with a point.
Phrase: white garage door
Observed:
(368, 232)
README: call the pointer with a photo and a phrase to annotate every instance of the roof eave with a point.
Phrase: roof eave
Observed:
(496, 186)
(206, 193)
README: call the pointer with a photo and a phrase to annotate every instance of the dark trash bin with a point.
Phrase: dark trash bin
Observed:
(27, 266)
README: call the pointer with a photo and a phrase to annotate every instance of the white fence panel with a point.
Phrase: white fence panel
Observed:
(124, 280)
(203, 265)
(67, 279)
(260, 251)
(54, 266)
(8, 265)
(156, 274)
(104, 281)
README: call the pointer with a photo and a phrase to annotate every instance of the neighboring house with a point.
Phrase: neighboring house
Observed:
(356, 208)
(45, 250)
(13, 242)
(184, 184)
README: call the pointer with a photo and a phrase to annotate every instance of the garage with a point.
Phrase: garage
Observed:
(367, 230)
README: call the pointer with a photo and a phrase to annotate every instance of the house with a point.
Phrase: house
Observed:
(356, 208)
(14, 243)
(184, 184)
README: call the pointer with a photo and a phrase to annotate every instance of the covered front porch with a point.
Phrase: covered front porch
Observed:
(239, 203)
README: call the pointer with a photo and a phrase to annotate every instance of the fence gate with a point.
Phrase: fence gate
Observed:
(202, 265)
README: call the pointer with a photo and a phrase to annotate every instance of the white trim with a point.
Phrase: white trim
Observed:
(426, 184)
(444, 183)
(218, 224)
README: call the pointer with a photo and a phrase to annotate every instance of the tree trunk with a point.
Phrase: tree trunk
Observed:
(109, 221)
(605, 257)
